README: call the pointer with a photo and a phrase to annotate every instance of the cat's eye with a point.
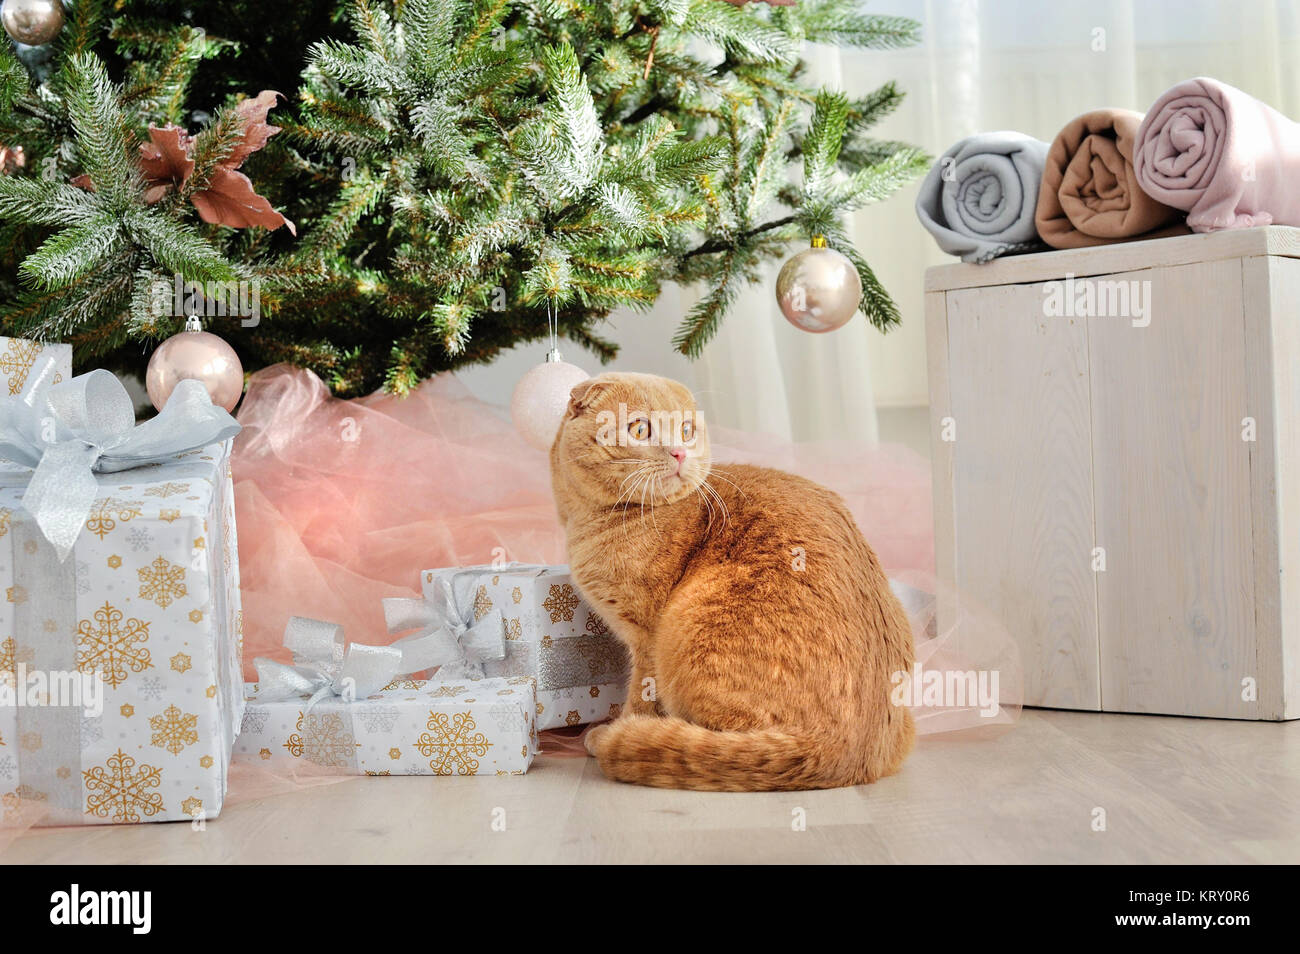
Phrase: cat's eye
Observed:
(639, 429)
(688, 430)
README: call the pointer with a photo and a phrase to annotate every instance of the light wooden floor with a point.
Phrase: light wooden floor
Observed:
(1173, 790)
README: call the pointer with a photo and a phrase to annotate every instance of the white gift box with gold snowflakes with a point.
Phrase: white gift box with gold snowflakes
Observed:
(551, 634)
(18, 356)
(413, 727)
(148, 602)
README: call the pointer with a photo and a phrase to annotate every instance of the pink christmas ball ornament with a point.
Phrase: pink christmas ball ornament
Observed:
(200, 356)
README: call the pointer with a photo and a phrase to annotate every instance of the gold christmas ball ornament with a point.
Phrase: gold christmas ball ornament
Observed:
(818, 289)
(32, 22)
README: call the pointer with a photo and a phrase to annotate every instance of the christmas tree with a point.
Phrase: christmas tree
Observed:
(399, 189)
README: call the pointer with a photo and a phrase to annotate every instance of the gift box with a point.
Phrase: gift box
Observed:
(120, 686)
(148, 602)
(471, 726)
(18, 357)
(550, 634)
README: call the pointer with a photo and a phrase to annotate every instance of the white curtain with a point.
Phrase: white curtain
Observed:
(1029, 65)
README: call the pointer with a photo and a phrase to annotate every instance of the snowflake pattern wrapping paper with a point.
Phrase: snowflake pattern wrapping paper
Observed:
(551, 634)
(412, 727)
(18, 356)
(147, 602)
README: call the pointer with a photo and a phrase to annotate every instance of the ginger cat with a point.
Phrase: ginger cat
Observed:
(748, 598)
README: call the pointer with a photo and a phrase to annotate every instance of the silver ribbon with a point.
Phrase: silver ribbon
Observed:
(325, 665)
(50, 599)
(465, 643)
(561, 662)
(67, 432)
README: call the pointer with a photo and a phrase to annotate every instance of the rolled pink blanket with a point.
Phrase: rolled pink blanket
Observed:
(1227, 159)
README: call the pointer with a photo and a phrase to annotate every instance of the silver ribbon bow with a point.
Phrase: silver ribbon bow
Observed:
(70, 431)
(465, 642)
(325, 664)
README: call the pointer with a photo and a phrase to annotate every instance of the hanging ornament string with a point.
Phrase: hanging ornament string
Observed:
(541, 396)
(553, 328)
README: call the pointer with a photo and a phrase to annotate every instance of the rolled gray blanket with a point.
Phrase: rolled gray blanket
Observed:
(978, 200)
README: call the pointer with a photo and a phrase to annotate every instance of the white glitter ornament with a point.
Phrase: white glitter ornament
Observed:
(542, 395)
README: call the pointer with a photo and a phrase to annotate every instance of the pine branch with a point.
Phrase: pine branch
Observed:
(721, 245)
(178, 248)
(879, 181)
(841, 22)
(13, 80)
(742, 34)
(81, 31)
(701, 323)
(37, 202)
(74, 251)
(603, 348)
(99, 124)
(872, 108)
(575, 130)
(359, 195)
(821, 146)
(765, 169)
(375, 29)
(875, 303)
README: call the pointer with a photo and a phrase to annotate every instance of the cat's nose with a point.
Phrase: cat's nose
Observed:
(679, 453)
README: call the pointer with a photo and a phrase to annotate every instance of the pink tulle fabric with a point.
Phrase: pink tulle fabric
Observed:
(342, 503)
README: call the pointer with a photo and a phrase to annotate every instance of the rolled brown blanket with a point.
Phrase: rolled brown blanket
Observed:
(1090, 195)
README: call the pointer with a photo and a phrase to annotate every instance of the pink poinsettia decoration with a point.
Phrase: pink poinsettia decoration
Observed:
(228, 198)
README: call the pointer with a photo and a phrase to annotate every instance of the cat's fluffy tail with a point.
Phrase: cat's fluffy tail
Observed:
(673, 753)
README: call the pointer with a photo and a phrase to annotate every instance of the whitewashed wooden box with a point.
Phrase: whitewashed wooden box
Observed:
(1096, 481)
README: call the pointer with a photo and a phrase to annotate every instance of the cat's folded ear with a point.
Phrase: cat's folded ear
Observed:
(584, 394)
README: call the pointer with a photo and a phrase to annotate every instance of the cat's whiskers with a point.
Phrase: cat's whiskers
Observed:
(708, 504)
(635, 474)
(722, 475)
(639, 476)
(648, 485)
(656, 488)
(643, 476)
(711, 496)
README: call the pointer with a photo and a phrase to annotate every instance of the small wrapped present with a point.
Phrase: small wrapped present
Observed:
(355, 709)
(18, 357)
(550, 634)
(120, 692)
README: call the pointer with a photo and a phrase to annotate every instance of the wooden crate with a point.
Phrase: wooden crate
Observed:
(1096, 482)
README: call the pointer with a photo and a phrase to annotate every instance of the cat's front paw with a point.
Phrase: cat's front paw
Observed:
(593, 739)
